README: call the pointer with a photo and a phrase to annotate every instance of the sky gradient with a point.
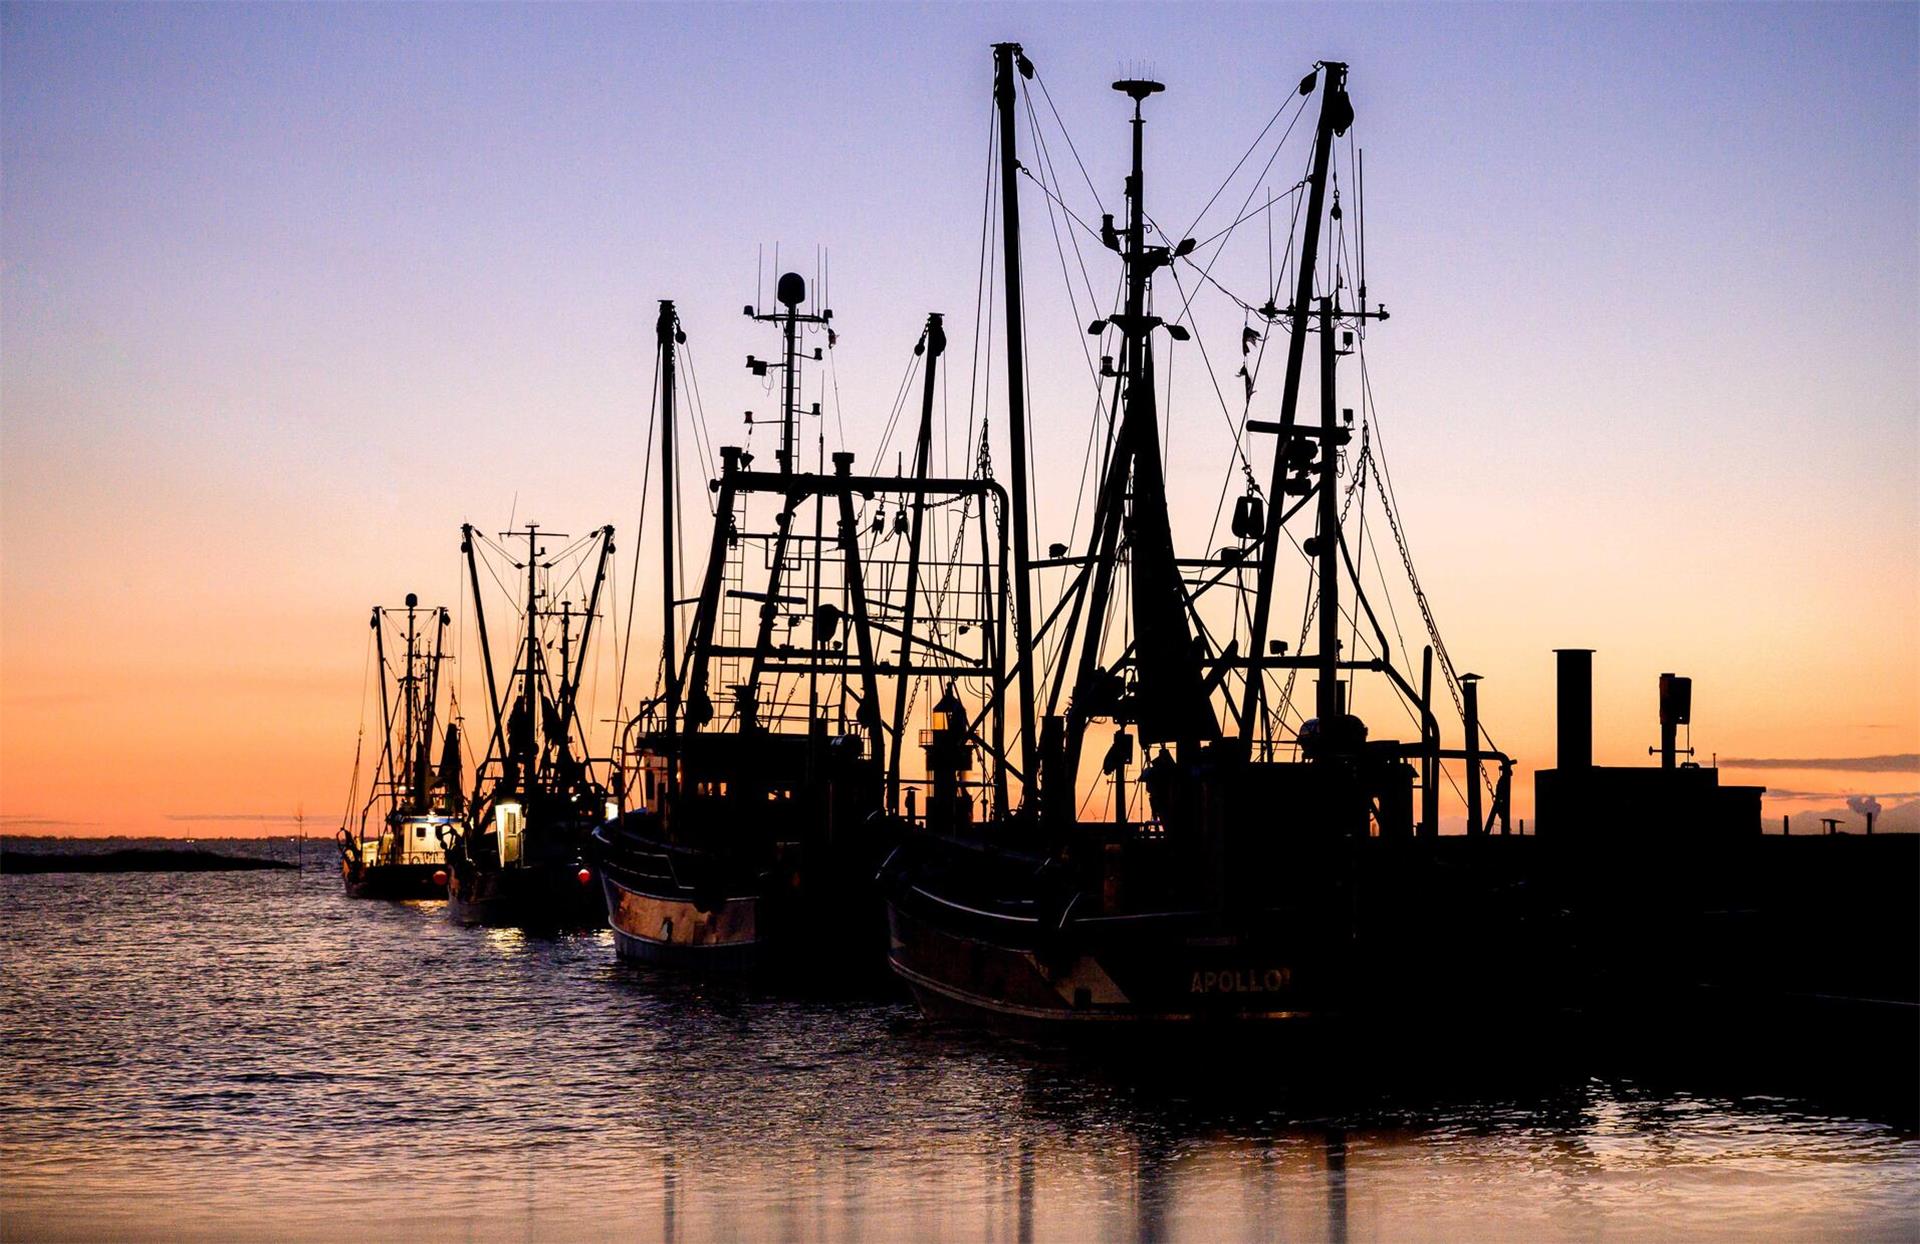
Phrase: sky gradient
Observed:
(288, 293)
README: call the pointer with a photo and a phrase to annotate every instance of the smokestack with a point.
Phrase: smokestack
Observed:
(1864, 805)
(1470, 696)
(1575, 667)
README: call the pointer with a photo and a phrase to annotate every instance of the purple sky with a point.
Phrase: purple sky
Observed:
(289, 292)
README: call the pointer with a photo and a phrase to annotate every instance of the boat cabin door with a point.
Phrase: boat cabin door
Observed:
(508, 825)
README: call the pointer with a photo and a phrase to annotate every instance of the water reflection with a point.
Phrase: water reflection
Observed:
(233, 1057)
(1336, 1186)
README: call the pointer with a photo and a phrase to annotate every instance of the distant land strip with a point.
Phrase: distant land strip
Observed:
(133, 860)
(1904, 762)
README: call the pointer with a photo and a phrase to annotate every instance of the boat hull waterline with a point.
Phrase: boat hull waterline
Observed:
(527, 898)
(676, 930)
(395, 881)
(1139, 976)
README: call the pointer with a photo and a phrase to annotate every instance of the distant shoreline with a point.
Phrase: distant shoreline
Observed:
(134, 860)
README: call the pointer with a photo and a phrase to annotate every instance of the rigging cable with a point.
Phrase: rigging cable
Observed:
(353, 783)
(639, 535)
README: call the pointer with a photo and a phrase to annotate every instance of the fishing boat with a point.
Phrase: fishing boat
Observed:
(751, 834)
(1261, 861)
(393, 849)
(523, 859)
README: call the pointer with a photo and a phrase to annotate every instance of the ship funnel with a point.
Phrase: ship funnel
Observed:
(1575, 741)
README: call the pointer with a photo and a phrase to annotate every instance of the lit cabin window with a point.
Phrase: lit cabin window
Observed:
(419, 831)
(939, 719)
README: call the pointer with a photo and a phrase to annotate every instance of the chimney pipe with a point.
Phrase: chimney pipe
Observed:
(1470, 696)
(1575, 667)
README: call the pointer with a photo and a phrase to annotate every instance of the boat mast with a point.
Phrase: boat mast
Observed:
(386, 709)
(527, 748)
(934, 343)
(423, 766)
(1169, 703)
(813, 599)
(1006, 57)
(570, 681)
(495, 706)
(566, 666)
(1171, 700)
(1326, 549)
(791, 291)
(1336, 113)
(666, 331)
(693, 675)
(409, 706)
(790, 374)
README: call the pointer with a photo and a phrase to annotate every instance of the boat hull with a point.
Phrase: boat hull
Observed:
(659, 925)
(812, 917)
(526, 898)
(1008, 973)
(395, 881)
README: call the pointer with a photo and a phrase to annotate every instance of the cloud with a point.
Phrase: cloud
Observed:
(21, 821)
(1900, 819)
(251, 817)
(1776, 792)
(1904, 762)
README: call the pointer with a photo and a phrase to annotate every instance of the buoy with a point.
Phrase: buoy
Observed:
(585, 876)
(439, 876)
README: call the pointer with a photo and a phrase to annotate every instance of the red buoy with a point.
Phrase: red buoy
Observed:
(585, 876)
(439, 876)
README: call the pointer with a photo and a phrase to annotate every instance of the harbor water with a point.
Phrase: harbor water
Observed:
(252, 1056)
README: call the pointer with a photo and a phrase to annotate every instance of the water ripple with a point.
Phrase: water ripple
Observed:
(250, 1056)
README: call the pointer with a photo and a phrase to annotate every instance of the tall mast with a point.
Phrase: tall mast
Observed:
(1006, 57)
(1170, 703)
(1336, 113)
(386, 709)
(813, 598)
(423, 775)
(1327, 545)
(571, 677)
(934, 343)
(530, 675)
(410, 700)
(790, 381)
(791, 291)
(566, 664)
(495, 706)
(666, 331)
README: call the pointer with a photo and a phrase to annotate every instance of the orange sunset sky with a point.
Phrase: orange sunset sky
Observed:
(287, 294)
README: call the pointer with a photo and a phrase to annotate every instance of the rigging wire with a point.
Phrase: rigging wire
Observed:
(1247, 154)
(983, 288)
(353, 783)
(1068, 135)
(705, 438)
